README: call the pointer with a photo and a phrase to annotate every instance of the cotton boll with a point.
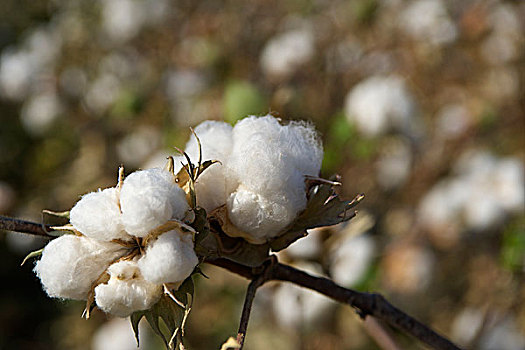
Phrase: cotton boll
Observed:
(309, 247)
(171, 258)
(284, 53)
(216, 143)
(70, 264)
(148, 199)
(97, 216)
(294, 306)
(116, 334)
(126, 291)
(266, 173)
(351, 258)
(509, 184)
(428, 21)
(380, 103)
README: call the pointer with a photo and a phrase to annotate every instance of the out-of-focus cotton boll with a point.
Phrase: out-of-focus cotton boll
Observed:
(466, 325)
(380, 103)
(102, 92)
(22, 66)
(216, 143)
(40, 111)
(122, 20)
(148, 199)
(97, 215)
(428, 21)
(134, 148)
(266, 172)
(70, 264)
(15, 74)
(504, 336)
(509, 184)
(350, 259)
(169, 259)
(126, 291)
(440, 206)
(115, 334)
(308, 247)
(286, 52)
(408, 268)
(297, 307)
(393, 167)
(482, 192)
(453, 120)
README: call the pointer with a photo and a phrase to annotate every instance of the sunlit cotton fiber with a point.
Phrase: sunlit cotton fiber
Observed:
(126, 291)
(97, 215)
(266, 174)
(216, 143)
(148, 199)
(70, 264)
(169, 259)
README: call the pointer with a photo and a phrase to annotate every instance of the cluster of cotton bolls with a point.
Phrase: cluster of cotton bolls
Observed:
(261, 175)
(124, 248)
(485, 189)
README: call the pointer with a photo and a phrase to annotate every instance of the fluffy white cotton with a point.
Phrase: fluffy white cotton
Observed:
(169, 259)
(216, 143)
(70, 264)
(97, 215)
(148, 199)
(126, 291)
(266, 173)
(380, 103)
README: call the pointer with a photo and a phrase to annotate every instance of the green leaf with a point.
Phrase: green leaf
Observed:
(32, 255)
(168, 310)
(324, 208)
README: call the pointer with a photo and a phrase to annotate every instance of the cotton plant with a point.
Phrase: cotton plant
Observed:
(236, 192)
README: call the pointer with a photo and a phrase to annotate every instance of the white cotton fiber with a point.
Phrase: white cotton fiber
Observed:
(97, 216)
(266, 173)
(126, 291)
(148, 199)
(216, 143)
(70, 264)
(171, 258)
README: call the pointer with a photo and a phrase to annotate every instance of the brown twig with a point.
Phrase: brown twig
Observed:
(365, 303)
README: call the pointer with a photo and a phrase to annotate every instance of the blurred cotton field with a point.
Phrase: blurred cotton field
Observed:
(419, 105)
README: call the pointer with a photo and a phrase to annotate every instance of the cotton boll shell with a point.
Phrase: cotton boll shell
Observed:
(169, 259)
(126, 291)
(70, 264)
(216, 143)
(148, 199)
(97, 216)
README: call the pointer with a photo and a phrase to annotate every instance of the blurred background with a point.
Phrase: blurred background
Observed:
(420, 105)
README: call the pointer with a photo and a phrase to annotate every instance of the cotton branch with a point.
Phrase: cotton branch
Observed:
(366, 304)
